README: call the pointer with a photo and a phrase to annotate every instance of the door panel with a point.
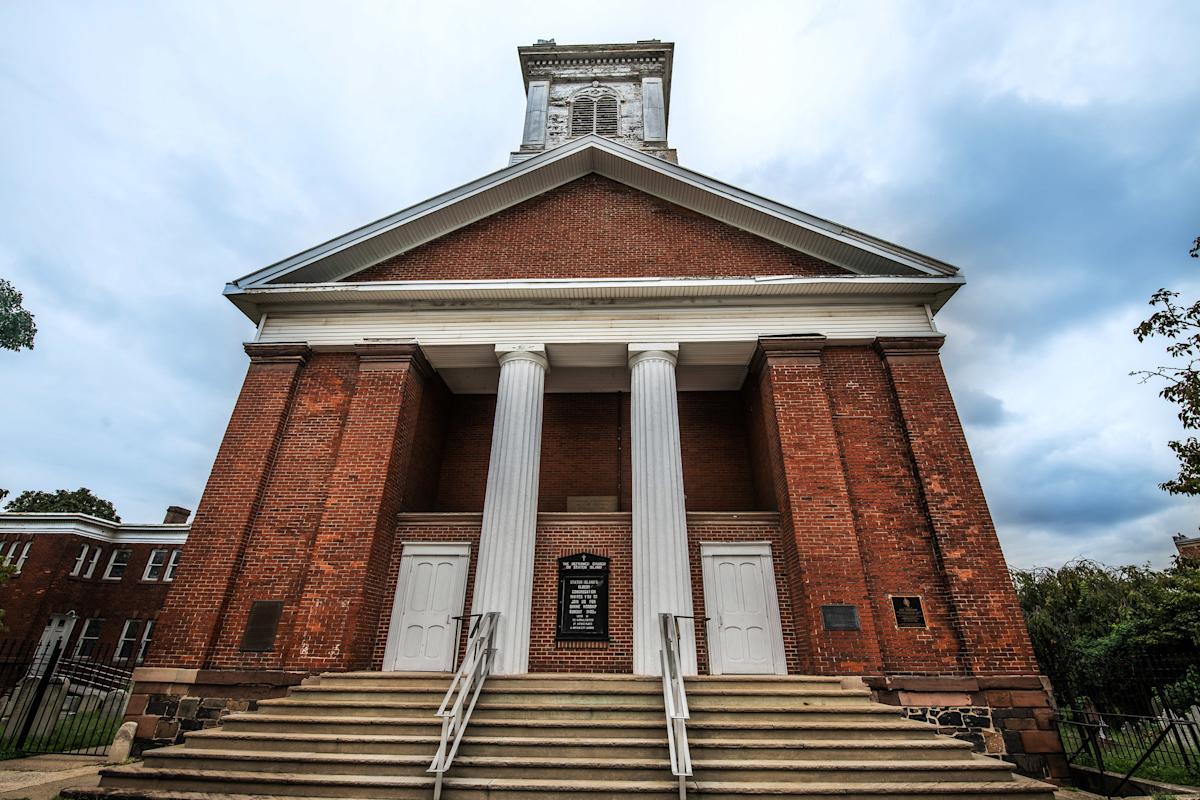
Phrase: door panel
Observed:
(429, 595)
(739, 590)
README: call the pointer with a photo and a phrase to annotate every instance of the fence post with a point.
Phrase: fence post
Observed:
(39, 693)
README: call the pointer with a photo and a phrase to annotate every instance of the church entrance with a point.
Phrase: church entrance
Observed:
(429, 602)
(745, 636)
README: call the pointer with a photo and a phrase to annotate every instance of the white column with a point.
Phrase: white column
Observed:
(504, 572)
(662, 581)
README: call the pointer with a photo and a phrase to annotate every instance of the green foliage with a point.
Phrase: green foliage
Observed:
(1185, 692)
(1180, 324)
(17, 328)
(1094, 628)
(80, 501)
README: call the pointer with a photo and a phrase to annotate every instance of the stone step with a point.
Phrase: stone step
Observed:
(562, 681)
(802, 728)
(863, 749)
(141, 783)
(589, 768)
(472, 745)
(751, 770)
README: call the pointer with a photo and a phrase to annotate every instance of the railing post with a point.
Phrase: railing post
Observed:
(39, 694)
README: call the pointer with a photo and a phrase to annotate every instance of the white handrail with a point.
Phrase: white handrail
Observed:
(675, 701)
(462, 695)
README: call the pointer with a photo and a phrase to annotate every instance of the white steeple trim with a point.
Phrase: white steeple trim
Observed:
(504, 574)
(661, 578)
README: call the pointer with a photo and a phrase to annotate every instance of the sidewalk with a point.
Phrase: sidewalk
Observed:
(42, 777)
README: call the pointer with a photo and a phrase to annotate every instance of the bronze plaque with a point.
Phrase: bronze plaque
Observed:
(909, 613)
(840, 617)
(262, 626)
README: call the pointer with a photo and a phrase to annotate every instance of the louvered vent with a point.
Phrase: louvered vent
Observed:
(606, 116)
(583, 116)
(594, 115)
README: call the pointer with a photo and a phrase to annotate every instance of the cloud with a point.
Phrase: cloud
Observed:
(1050, 149)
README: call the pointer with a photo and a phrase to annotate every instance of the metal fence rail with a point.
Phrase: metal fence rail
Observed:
(52, 703)
(1164, 747)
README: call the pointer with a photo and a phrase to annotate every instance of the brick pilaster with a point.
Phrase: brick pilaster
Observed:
(190, 620)
(341, 600)
(984, 603)
(814, 503)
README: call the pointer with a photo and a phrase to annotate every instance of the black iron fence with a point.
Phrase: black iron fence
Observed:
(54, 700)
(1165, 747)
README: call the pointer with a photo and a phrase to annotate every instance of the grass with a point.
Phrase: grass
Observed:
(85, 731)
(1121, 749)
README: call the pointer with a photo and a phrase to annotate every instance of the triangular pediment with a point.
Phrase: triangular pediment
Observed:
(811, 243)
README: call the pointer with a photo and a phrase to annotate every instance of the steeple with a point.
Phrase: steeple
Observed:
(619, 91)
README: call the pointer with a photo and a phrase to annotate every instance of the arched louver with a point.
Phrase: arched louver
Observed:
(594, 115)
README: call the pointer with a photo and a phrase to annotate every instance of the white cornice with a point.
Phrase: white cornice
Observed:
(89, 527)
(852, 250)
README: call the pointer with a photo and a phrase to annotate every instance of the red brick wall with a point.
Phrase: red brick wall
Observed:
(899, 555)
(984, 603)
(594, 227)
(586, 451)
(45, 587)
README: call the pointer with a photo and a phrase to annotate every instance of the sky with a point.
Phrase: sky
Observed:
(154, 151)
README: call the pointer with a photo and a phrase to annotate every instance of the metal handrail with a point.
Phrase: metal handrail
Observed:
(675, 701)
(462, 695)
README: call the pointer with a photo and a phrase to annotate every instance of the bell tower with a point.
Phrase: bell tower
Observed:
(619, 91)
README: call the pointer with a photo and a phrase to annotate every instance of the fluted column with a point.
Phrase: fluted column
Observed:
(504, 571)
(661, 577)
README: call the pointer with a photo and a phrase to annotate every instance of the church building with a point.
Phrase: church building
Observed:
(584, 391)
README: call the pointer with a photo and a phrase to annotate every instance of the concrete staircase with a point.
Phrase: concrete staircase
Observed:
(372, 735)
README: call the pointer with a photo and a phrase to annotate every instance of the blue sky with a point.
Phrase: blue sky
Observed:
(154, 151)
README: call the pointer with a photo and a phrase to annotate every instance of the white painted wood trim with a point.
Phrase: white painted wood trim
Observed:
(762, 549)
(410, 549)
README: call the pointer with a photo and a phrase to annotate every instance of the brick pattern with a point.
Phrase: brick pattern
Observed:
(898, 552)
(595, 227)
(276, 557)
(983, 600)
(208, 571)
(823, 552)
(586, 451)
(45, 587)
(335, 622)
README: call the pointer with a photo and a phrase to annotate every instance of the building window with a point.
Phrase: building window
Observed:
(88, 638)
(155, 565)
(91, 566)
(145, 642)
(128, 640)
(117, 563)
(15, 554)
(172, 565)
(594, 112)
(80, 560)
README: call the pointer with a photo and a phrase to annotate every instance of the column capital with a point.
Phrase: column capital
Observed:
(279, 353)
(535, 353)
(803, 346)
(375, 356)
(909, 348)
(653, 351)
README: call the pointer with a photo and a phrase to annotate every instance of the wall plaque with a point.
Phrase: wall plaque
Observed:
(909, 613)
(259, 636)
(582, 598)
(840, 617)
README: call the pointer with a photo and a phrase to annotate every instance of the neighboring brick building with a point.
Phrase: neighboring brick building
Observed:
(96, 585)
(597, 359)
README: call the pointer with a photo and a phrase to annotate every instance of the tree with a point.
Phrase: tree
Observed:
(80, 501)
(1099, 631)
(1181, 325)
(17, 328)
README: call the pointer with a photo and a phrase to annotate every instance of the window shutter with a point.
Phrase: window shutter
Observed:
(583, 116)
(606, 116)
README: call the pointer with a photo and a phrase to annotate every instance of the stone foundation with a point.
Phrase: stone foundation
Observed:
(1009, 717)
(168, 703)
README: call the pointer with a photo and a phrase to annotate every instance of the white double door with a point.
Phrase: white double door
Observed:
(423, 636)
(744, 632)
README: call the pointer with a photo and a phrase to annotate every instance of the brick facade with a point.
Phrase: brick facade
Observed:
(45, 586)
(655, 238)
